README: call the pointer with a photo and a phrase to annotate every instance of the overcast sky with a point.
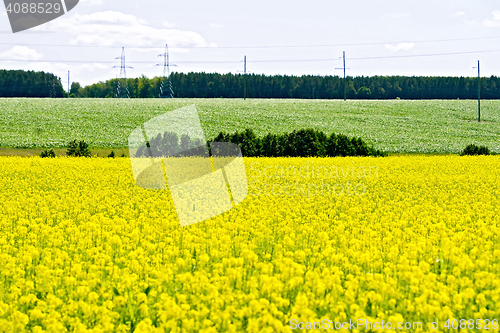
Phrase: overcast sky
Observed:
(278, 37)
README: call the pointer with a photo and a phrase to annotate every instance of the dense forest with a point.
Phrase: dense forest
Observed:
(213, 85)
(18, 83)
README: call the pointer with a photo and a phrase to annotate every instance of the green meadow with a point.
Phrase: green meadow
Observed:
(395, 126)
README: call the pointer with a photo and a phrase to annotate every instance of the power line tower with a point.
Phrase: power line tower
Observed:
(121, 85)
(166, 88)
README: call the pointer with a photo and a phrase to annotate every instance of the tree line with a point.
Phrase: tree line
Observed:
(214, 85)
(19, 83)
(298, 143)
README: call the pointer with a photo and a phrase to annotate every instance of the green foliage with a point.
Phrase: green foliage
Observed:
(112, 154)
(48, 153)
(214, 85)
(473, 149)
(78, 149)
(75, 89)
(302, 143)
(19, 83)
(169, 144)
(248, 142)
(270, 145)
(364, 92)
(340, 145)
(185, 143)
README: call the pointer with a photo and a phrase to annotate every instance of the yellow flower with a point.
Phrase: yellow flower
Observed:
(98, 253)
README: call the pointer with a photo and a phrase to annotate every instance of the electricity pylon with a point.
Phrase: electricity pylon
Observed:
(166, 88)
(122, 89)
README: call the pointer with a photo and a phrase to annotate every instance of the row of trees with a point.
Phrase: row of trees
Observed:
(20, 83)
(213, 85)
(301, 143)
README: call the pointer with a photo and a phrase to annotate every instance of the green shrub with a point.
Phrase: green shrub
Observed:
(340, 145)
(472, 149)
(77, 149)
(300, 143)
(270, 146)
(249, 143)
(48, 153)
(305, 142)
(170, 143)
(185, 143)
(72, 148)
(155, 145)
(222, 137)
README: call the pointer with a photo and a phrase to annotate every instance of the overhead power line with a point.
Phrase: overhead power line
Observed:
(264, 61)
(111, 62)
(426, 55)
(259, 46)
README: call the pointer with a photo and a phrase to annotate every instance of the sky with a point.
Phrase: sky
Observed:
(384, 37)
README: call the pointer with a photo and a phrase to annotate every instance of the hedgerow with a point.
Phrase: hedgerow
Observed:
(301, 143)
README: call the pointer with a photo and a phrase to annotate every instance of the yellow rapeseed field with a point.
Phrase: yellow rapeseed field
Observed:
(331, 241)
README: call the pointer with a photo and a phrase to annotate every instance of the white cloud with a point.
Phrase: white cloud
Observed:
(400, 47)
(110, 17)
(91, 2)
(110, 28)
(167, 25)
(395, 15)
(458, 14)
(21, 53)
(495, 22)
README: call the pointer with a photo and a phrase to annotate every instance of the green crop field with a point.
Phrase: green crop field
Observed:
(396, 126)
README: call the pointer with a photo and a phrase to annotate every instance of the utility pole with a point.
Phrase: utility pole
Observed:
(245, 74)
(345, 85)
(478, 93)
(245, 84)
(68, 82)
